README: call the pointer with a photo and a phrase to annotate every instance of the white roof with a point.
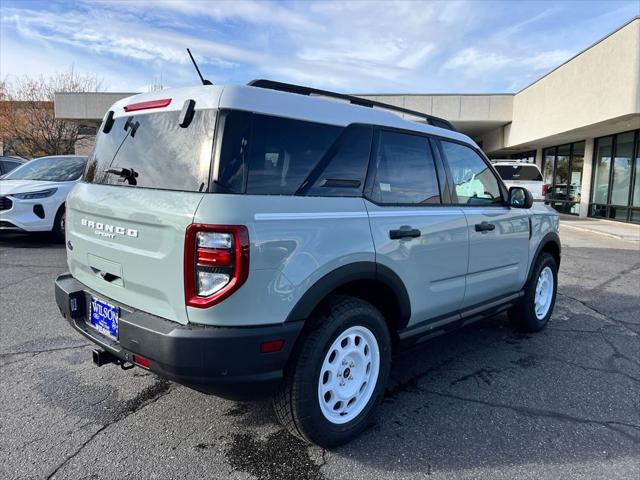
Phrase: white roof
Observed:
(281, 104)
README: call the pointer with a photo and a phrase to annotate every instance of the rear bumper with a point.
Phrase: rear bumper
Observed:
(222, 361)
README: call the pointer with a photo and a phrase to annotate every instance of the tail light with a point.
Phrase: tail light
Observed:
(545, 188)
(216, 262)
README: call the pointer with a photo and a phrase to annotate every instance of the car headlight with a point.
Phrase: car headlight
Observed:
(32, 195)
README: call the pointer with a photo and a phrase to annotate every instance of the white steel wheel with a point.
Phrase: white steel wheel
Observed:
(348, 375)
(544, 293)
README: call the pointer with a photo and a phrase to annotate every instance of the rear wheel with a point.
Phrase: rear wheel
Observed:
(533, 313)
(58, 225)
(337, 375)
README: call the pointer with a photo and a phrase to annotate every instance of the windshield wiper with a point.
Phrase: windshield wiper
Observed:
(127, 174)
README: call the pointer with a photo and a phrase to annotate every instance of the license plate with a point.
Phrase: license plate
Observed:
(104, 317)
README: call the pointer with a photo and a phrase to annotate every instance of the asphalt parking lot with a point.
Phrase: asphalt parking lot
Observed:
(484, 402)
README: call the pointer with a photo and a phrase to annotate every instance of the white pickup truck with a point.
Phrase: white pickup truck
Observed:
(515, 173)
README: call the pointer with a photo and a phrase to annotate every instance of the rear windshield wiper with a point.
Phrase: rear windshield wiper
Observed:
(127, 174)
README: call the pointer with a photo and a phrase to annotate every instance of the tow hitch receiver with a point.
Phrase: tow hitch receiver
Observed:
(102, 357)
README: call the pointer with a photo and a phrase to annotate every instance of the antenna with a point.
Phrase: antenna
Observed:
(202, 79)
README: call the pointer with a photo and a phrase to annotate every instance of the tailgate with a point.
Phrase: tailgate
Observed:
(128, 245)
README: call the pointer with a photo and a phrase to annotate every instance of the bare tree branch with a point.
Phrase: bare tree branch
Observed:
(28, 126)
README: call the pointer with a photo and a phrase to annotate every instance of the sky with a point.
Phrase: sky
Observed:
(354, 47)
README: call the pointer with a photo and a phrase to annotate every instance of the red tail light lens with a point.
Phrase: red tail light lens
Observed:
(216, 262)
(147, 105)
(545, 189)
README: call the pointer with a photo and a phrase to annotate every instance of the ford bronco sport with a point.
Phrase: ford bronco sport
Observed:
(263, 239)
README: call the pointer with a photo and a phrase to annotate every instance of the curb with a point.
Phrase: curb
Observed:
(629, 238)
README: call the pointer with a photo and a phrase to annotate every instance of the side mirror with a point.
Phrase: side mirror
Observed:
(520, 197)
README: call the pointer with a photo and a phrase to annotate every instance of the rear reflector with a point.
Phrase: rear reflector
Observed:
(214, 258)
(147, 105)
(143, 362)
(271, 346)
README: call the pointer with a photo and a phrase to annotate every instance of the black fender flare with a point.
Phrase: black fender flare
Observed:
(550, 237)
(347, 274)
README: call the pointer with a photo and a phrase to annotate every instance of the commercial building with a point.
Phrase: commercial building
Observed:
(580, 123)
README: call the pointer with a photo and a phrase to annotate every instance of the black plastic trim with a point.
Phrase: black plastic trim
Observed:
(350, 273)
(550, 237)
(225, 361)
(436, 326)
(363, 102)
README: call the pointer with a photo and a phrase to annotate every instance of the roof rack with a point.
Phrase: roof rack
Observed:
(287, 87)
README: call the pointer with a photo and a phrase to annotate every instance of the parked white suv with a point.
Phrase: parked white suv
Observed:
(519, 174)
(32, 196)
(260, 239)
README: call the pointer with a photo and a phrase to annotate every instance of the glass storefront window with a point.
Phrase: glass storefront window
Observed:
(561, 187)
(622, 169)
(600, 191)
(562, 170)
(615, 193)
(577, 166)
(549, 163)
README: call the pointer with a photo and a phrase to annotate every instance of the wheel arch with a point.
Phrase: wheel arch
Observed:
(550, 243)
(369, 281)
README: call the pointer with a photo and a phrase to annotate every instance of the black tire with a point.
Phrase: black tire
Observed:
(297, 402)
(58, 225)
(524, 314)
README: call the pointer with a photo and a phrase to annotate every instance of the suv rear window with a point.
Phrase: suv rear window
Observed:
(268, 155)
(519, 172)
(161, 154)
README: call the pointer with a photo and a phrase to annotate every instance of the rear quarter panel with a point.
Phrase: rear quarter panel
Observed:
(294, 241)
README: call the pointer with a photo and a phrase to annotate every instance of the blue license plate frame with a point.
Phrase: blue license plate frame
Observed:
(104, 317)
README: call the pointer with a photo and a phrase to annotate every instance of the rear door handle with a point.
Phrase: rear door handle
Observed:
(485, 227)
(404, 232)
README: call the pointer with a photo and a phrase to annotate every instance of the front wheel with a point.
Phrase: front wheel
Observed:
(536, 307)
(337, 375)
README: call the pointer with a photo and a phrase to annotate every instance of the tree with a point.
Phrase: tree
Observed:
(28, 126)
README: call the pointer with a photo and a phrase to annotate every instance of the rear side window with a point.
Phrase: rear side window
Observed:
(475, 183)
(153, 151)
(405, 170)
(519, 172)
(272, 155)
(343, 170)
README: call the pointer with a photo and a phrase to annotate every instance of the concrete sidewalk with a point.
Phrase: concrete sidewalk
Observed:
(622, 231)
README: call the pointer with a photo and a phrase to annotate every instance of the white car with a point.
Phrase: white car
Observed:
(520, 174)
(32, 196)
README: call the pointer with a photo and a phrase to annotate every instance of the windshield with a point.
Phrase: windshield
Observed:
(154, 151)
(52, 169)
(519, 172)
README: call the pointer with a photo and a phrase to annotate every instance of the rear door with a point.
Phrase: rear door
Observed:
(126, 221)
(498, 235)
(423, 241)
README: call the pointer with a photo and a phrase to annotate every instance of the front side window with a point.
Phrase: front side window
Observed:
(52, 169)
(475, 183)
(405, 170)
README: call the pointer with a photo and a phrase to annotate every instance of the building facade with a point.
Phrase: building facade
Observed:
(580, 123)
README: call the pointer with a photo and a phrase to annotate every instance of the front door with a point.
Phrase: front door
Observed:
(498, 235)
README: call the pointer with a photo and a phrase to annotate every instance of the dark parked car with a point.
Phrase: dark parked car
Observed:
(9, 163)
